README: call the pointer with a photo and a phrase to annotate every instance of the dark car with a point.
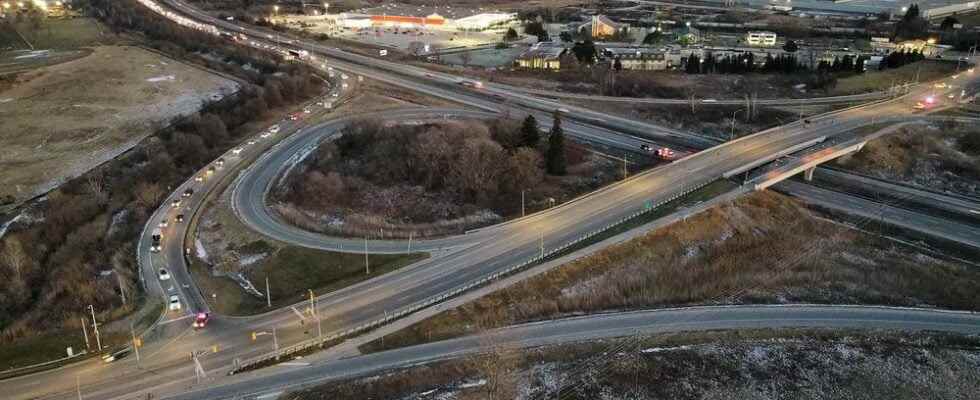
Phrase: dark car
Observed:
(646, 147)
(201, 320)
(188, 192)
(179, 218)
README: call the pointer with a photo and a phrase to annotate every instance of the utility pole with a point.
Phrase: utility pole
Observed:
(410, 241)
(85, 334)
(136, 347)
(319, 327)
(78, 387)
(625, 171)
(522, 202)
(367, 266)
(542, 243)
(95, 327)
(268, 294)
(275, 341)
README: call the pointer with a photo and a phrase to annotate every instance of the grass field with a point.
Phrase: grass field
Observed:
(59, 121)
(292, 271)
(882, 80)
(57, 33)
(765, 248)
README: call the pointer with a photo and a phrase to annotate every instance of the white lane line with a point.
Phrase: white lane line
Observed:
(176, 319)
(269, 395)
(298, 314)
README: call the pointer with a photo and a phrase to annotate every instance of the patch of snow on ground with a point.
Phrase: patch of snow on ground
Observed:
(581, 288)
(202, 254)
(33, 54)
(478, 383)
(857, 259)
(161, 78)
(3, 228)
(251, 259)
(295, 160)
(661, 349)
(7, 100)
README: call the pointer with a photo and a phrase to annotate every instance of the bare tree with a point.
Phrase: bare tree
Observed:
(96, 186)
(14, 257)
(498, 363)
(123, 275)
(148, 195)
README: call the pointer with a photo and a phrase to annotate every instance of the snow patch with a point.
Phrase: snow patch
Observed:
(33, 54)
(202, 254)
(295, 160)
(7, 100)
(478, 383)
(662, 349)
(251, 259)
(161, 78)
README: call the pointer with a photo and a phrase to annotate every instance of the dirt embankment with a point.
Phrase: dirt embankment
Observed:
(59, 121)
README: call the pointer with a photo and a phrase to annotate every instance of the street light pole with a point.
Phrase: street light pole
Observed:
(522, 202)
(319, 327)
(268, 294)
(85, 334)
(136, 347)
(95, 327)
(732, 135)
(367, 266)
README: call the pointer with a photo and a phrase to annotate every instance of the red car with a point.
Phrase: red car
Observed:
(201, 320)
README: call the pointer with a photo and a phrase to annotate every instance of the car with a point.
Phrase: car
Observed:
(251, 142)
(274, 128)
(211, 170)
(199, 178)
(155, 244)
(709, 101)
(164, 275)
(188, 193)
(334, 94)
(919, 106)
(344, 76)
(238, 150)
(563, 110)
(646, 147)
(163, 223)
(174, 303)
(110, 357)
(265, 134)
(307, 111)
(428, 75)
(952, 96)
(175, 203)
(201, 320)
(220, 163)
(179, 218)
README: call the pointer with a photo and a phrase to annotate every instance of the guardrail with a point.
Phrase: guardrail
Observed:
(405, 311)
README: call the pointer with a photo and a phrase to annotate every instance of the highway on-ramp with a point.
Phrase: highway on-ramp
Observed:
(602, 326)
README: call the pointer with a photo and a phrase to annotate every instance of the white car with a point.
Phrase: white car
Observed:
(274, 128)
(164, 275)
(238, 151)
(266, 134)
(174, 303)
(334, 94)
(251, 142)
(163, 223)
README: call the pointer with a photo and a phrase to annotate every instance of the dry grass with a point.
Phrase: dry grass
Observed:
(744, 364)
(881, 80)
(65, 119)
(926, 156)
(763, 249)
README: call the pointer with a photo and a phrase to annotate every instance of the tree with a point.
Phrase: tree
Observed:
(618, 64)
(511, 35)
(585, 51)
(790, 46)
(530, 134)
(912, 25)
(537, 29)
(565, 36)
(948, 23)
(653, 37)
(556, 157)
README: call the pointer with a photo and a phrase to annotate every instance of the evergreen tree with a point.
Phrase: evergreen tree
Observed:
(555, 158)
(530, 135)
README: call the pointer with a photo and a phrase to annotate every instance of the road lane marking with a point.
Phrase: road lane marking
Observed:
(176, 319)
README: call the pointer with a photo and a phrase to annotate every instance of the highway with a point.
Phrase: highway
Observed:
(167, 367)
(601, 326)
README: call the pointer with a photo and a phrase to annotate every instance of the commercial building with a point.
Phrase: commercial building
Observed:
(601, 26)
(482, 22)
(761, 38)
(543, 55)
(638, 58)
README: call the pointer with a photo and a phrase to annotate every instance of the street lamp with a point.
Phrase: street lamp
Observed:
(732, 135)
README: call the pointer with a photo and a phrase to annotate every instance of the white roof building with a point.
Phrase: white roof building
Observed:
(481, 22)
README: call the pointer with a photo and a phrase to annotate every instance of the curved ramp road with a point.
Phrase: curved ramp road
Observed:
(166, 367)
(593, 327)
